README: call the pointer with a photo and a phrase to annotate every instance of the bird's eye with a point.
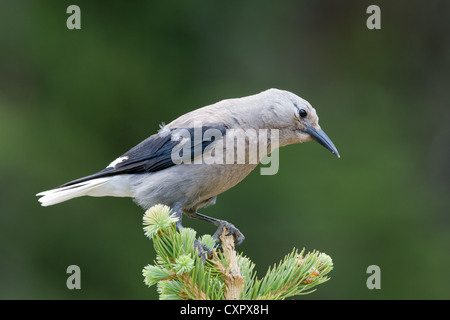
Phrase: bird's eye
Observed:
(302, 113)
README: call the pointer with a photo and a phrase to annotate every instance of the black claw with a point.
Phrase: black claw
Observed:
(238, 236)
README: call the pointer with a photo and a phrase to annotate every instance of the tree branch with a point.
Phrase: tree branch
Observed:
(234, 280)
(180, 273)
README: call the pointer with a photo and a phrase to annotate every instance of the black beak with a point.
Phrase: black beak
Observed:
(323, 139)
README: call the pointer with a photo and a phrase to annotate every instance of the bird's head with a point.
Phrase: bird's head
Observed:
(299, 121)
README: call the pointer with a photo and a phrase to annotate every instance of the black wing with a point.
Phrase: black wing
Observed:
(155, 153)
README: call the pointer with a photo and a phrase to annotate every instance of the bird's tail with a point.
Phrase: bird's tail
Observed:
(85, 188)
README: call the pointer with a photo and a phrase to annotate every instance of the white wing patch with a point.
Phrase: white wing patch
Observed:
(117, 161)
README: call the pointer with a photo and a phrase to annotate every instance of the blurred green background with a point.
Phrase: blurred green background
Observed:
(71, 101)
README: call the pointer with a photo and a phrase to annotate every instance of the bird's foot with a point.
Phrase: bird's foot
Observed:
(203, 250)
(238, 236)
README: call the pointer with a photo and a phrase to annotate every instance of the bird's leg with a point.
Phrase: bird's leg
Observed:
(238, 236)
(203, 249)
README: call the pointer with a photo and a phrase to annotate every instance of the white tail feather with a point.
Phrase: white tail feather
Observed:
(58, 195)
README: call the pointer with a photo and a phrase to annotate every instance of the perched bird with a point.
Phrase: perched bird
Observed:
(202, 154)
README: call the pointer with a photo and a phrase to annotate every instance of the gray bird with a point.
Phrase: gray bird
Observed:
(202, 154)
